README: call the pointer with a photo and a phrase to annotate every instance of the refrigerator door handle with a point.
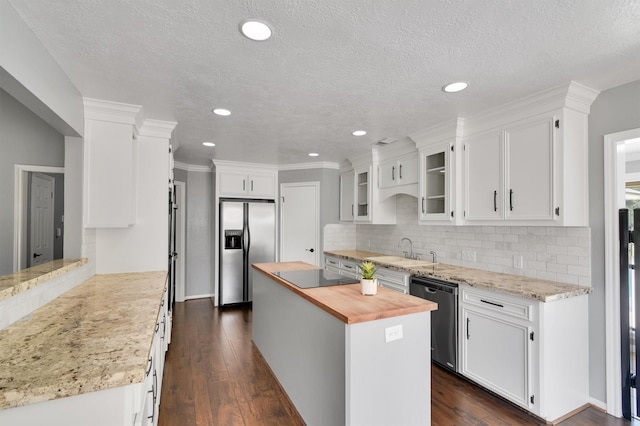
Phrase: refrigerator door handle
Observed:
(246, 235)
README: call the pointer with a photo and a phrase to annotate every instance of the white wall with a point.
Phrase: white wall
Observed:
(614, 110)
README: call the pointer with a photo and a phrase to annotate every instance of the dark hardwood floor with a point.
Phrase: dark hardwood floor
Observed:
(215, 376)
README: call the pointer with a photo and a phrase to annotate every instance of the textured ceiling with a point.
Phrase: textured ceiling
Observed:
(332, 66)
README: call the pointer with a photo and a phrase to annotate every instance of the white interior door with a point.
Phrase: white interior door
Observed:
(41, 219)
(300, 222)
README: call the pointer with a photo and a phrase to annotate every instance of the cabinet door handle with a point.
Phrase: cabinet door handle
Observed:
(400, 170)
(492, 303)
(511, 199)
(351, 210)
(495, 201)
(423, 205)
(468, 328)
(244, 185)
(393, 172)
(251, 184)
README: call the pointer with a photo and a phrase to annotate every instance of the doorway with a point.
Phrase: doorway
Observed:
(300, 222)
(617, 148)
(22, 250)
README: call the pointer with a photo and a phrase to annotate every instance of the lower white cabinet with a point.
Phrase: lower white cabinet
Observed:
(395, 280)
(533, 353)
(348, 268)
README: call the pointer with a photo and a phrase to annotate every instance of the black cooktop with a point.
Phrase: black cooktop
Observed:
(314, 278)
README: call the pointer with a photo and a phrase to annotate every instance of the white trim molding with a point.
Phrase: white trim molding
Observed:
(612, 265)
(191, 167)
(116, 112)
(18, 202)
(305, 166)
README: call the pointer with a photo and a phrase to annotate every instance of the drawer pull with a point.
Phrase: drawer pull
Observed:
(492, 303)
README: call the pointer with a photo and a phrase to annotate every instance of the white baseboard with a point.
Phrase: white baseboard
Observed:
(598, 404)
(198, 296)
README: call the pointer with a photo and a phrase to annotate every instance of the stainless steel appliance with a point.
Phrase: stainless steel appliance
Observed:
(247, 235)
(444, 321)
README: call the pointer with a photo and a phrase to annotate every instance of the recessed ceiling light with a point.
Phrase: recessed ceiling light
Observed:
(208, 144)
(455, 86)
(254, 29)
(359, 133)
(313, 154)
(221, 111)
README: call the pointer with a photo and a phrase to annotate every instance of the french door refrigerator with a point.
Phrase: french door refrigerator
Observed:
(247, 235)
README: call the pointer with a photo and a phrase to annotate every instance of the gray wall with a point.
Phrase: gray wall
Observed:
(24, 139)
(198, 239)
(614, 110)
(329, 193)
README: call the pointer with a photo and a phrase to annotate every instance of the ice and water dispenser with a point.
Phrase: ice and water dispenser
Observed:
(233, 239)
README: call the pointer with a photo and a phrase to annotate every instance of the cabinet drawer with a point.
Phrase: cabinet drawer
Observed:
(392, 276)
(393, 286)
(495, 302)
(331, 262)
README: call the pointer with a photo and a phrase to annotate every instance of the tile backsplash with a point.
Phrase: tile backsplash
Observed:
(551, 253)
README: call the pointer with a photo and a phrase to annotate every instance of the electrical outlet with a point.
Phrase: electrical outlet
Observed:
(393, 333)
(517, 261)
(469, 256)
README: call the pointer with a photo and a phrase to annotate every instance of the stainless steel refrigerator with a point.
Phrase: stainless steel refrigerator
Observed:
(247, 235)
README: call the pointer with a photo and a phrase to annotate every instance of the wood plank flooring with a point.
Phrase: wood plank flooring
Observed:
(215, 376)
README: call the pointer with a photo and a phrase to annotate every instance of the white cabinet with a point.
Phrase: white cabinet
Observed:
(242, 184)
(438, 147)
(395, 280)
(526, 163)
(110, 164)
(348, 268)
(399, 171)
(510, 172)
(369, 206)
(533, 353)
(436, 194)
(347, 180)
(363, 194)
(496, 351)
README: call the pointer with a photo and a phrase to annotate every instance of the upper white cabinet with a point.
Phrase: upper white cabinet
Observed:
(437, 148)
(526, 163)
(397, 169)
(110, 164)
(245, 180)
(347, 207)
(368, 204)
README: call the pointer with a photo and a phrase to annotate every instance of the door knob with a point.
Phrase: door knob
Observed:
(311, 250)
(38, 255)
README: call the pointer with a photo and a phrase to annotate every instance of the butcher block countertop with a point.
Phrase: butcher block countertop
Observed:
(345, 301)
(530, 288)
(96, 336)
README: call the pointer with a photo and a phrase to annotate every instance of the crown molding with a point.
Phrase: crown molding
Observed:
(116, 112)
(157, 128)
(446, 131)
(236, 164)
(191, 167)
(314, 165)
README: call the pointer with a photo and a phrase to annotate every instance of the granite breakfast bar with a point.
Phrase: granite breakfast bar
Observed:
(87, 356)
(344, 358)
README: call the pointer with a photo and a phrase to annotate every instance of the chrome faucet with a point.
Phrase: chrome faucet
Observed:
(411, 247)
(434, 256)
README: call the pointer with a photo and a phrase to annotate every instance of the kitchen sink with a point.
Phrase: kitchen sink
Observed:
(401, 261)
(386, 259)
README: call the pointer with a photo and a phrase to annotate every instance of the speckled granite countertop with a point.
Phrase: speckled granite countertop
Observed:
(530, 288)
(12, 284)
(94, 337)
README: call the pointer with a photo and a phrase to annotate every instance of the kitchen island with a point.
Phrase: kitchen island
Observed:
(344, 358)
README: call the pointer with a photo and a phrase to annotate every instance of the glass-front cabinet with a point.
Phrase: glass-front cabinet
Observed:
(435, 202)
(363, 194)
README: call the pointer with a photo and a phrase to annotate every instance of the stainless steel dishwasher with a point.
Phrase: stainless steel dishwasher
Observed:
(444, 321)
